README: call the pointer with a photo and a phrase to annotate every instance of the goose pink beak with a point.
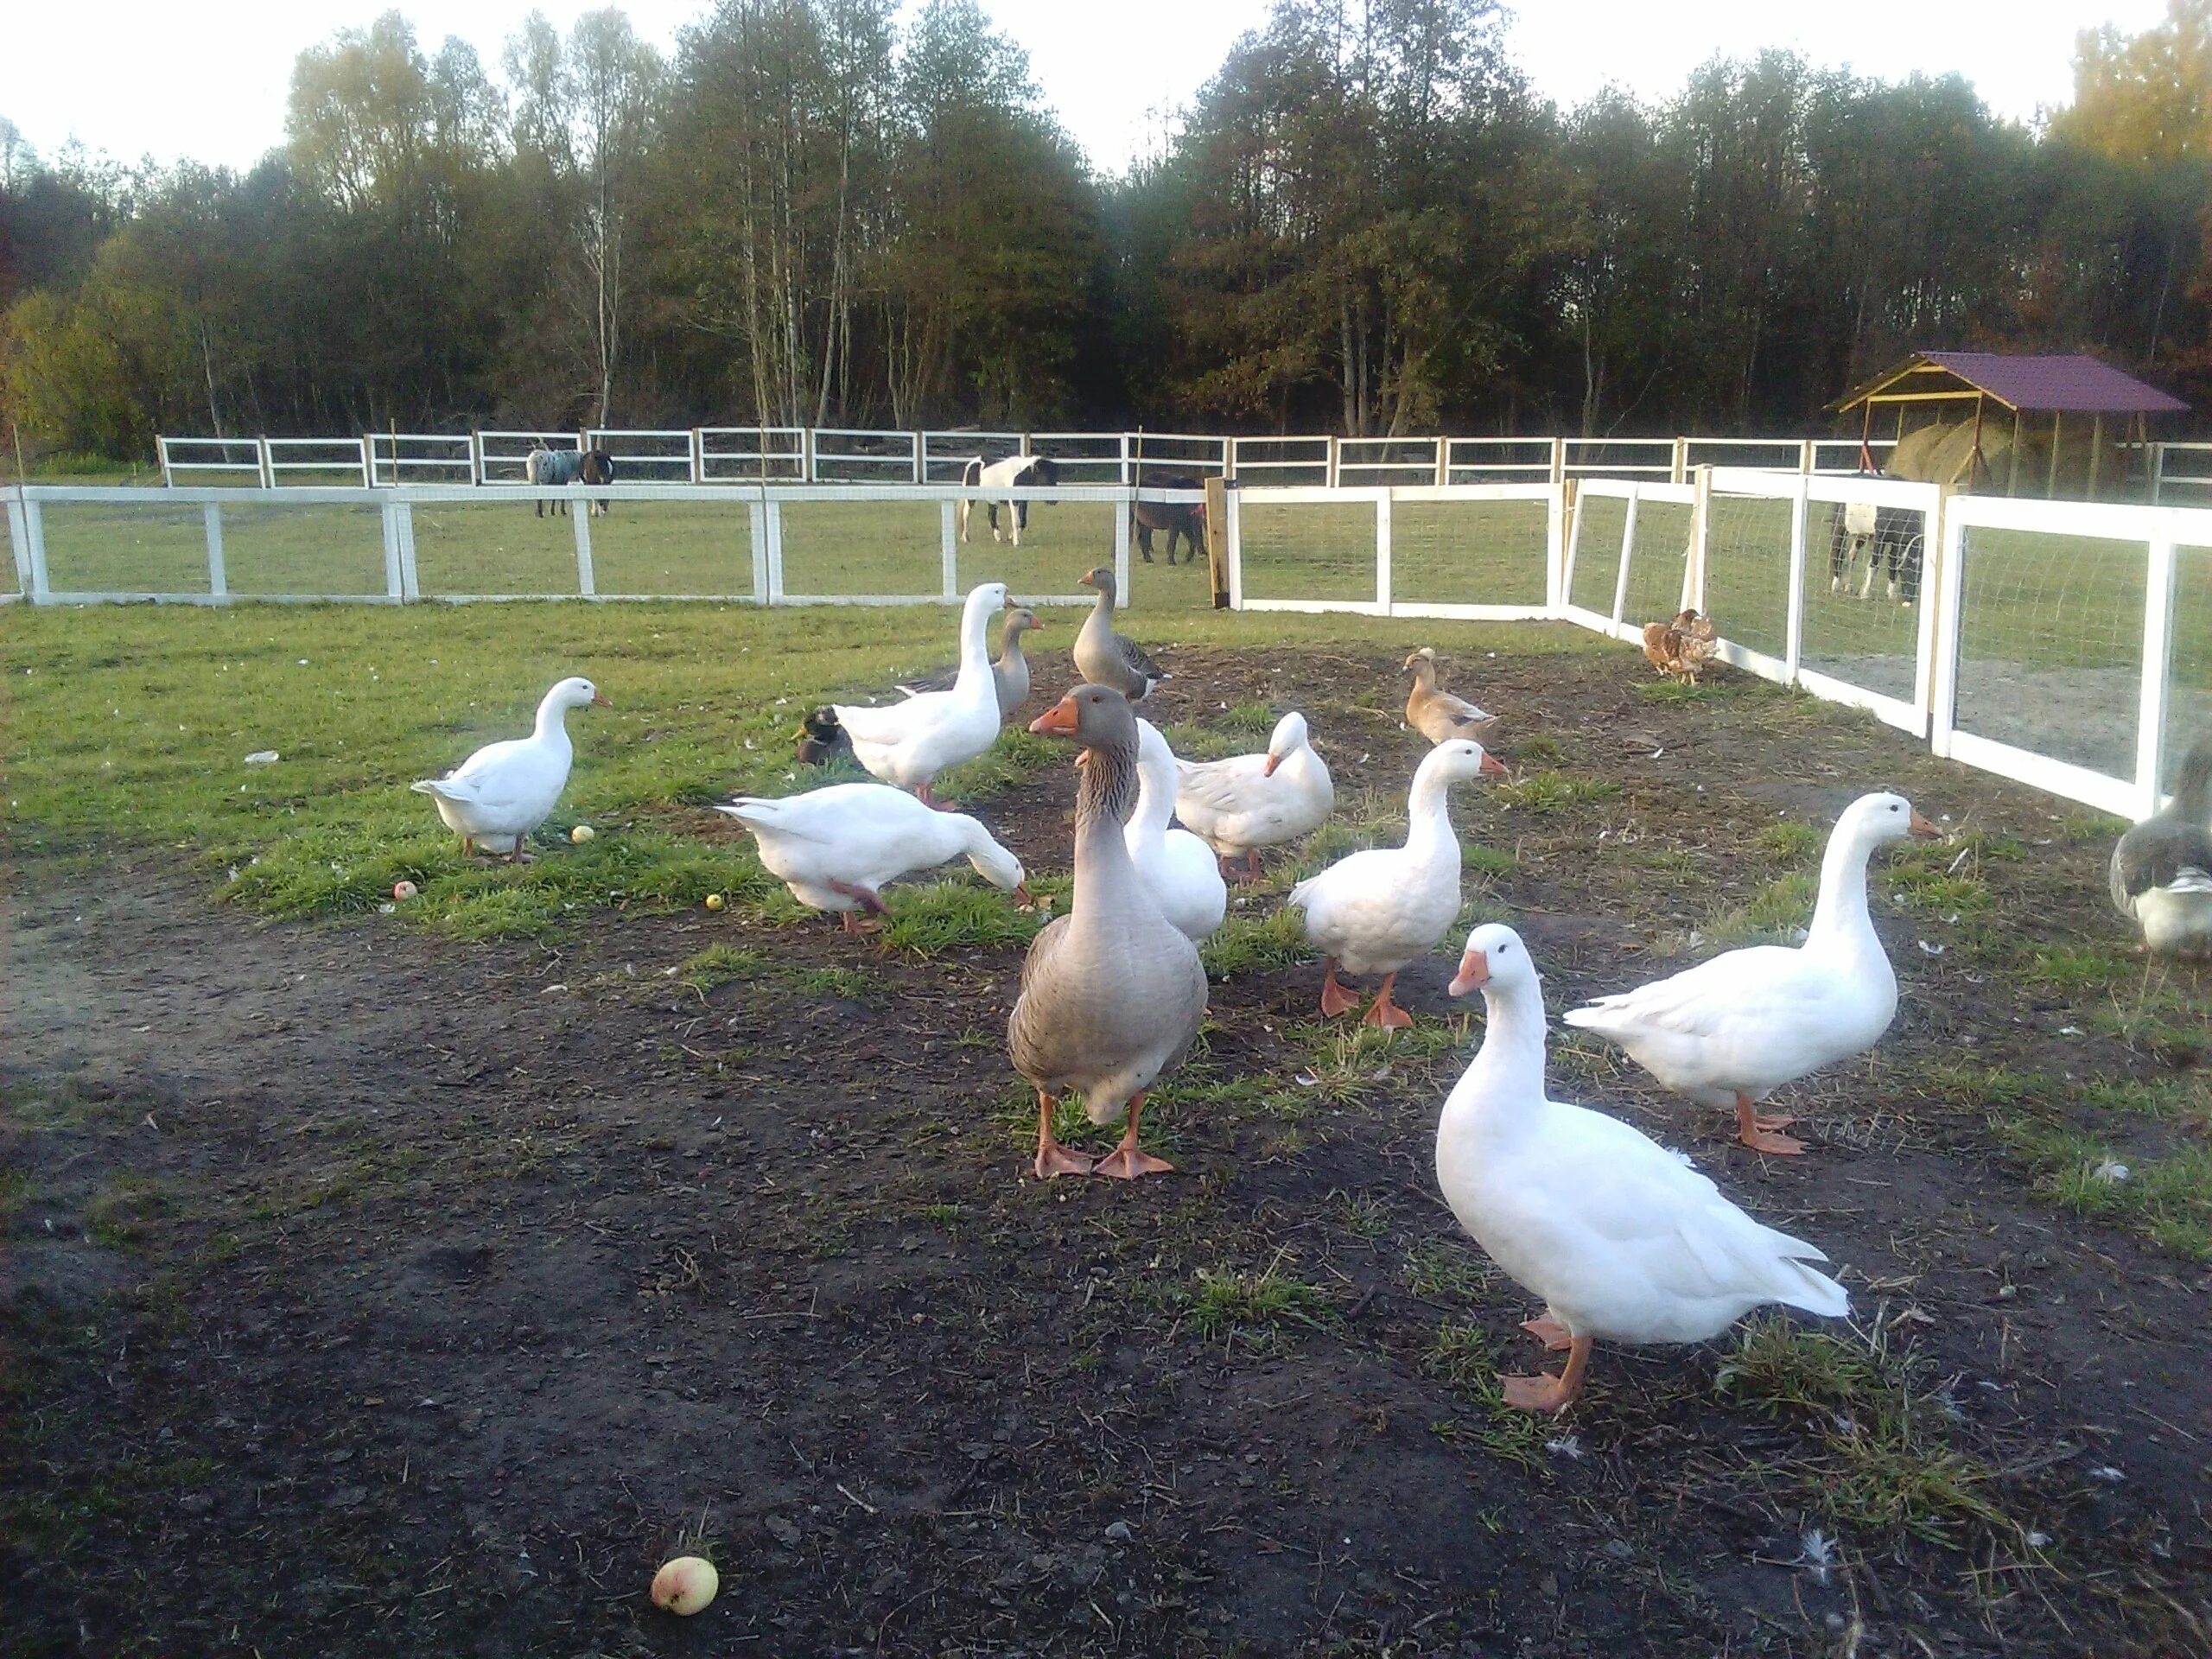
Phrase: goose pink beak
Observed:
(1491, 766)
(1474, 975)
(1059, 721)
(1269, 770)
(599, 697)
(1923, 830)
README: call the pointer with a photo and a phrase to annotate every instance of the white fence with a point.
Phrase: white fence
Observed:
(2066, 645)
(799, 454)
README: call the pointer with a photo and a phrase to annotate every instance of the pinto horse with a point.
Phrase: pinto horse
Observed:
(1015, 472)
(1891, 538)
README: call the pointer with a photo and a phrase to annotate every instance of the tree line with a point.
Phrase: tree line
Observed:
(1368, 222)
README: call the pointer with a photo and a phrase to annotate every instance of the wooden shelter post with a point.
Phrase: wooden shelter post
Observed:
(2050, 478)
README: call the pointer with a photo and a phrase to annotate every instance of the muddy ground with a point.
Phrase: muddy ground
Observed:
(367, 1293)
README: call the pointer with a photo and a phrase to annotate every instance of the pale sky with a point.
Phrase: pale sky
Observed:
(132, 77)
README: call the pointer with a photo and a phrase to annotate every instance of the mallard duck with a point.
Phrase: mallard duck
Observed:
(1104, 657)
(822, 741)
(494, 800)
(1112, 993)
(908, 743)
(1623, 1240)
(1374, 912)
(1731, 1030)
(1435, 713)
(1238, 805)
(1175, 864)
(2161, 872)
(836, 847)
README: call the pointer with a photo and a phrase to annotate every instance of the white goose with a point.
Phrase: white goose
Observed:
(1731, 1030)
(1374, 912)
(494, 800)
(836, 847)
(1622, 1240)
(1238, 805)
(2161, 871)
(1174, 863)
(908, 743)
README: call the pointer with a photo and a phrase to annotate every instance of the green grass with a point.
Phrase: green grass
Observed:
(1243, 945)
(1548, 792)
(1230, 1302)
(1773, 915)
(2167, 1200)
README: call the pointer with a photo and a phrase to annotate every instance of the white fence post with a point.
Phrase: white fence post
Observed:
(411, 581)
(1801, 507)
(1700, 536)
(775, 517)
(2158, 670)
(756, 537)
(1121, 546)
(1332, 474)
(1950, 586)
(1628, 548)
(1443, 461)
(921, 460)
(948, 549)
(1382, 553)
(1559, 461)
(587, 579)
(1679, 473)
(1556, 555)
(1570, 510)
(698, 456)
(219, 581)
(394, 587)
(35, 540)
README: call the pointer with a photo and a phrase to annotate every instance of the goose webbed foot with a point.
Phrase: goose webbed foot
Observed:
(1385, 1013)
(1546, 1394)
(1052, 1158)
(1335, 1000)
(1550, 1332)
(1125, 1162)
(1760, 1134)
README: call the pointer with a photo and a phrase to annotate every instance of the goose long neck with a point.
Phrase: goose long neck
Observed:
(1424, 674)
(552, 725)
(1103, 610)
(1510, 1065)
(1010, 643)
(1103, 801)
(2193, 790)
(1840, 913)
(1155, 797)
(1428, 819)
(974, 647)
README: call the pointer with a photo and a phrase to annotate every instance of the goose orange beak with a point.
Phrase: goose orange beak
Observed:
(1059, 721)
(1269, 770)
(599, 697)
(1474, 975)
(1923, 830)
(1491, 766)
(1085, 580)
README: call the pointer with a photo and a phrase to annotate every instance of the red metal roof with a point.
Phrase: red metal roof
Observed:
(2071, 384)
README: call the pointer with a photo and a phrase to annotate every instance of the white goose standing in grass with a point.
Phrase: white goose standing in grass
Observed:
(2162, 869)
(1623, 1241)
(1238, 805)
(1175, 864)
(907, 744)
(1112, 993)
(1374, 912)
(1731, 1030)
(494, 800)
(835, 848)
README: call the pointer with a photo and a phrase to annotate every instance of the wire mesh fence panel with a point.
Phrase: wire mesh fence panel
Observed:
(1061, 541)
(862, 548)
(2050, 644)
(1187, 584)
(1747, 571)
(125, 549)
(333, 550)
(673, 547)
(2189, 685)
(493, 547)
(1657, 559)
(1468, 552)
(1855, 632)
(1599, 521)
(1321, 550)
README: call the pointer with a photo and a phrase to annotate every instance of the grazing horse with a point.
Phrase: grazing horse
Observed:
(1890, 536)
(545, 466)
(1185, 519)
(1015, 472)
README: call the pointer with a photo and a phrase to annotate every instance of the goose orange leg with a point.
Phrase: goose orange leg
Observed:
(1125, 1162)
(1546, 1392)
(1052, 1158)
(1335, 1000)
(1759, 1133)
(923, 794)
(1549, 1331)
(1385, 1013)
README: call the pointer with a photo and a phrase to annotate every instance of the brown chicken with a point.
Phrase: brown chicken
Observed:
(1682, 648)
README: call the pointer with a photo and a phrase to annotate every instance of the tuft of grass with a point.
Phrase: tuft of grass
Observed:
(1671, 690)
(853, 984)
(1774, 916)
(1489, 862)
(928, 920)
(1446, 1270)
(1019, 757)
(1245, 944)
(1460, 1357)
(1228, 1302)
(1791, 840)
(718, 964)
(2075, 969)
(2167, 1200)
(1551, 792)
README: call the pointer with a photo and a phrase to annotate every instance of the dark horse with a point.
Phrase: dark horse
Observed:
(1894, 538)
(1015, 472)
(1185, 519)
(545, 466)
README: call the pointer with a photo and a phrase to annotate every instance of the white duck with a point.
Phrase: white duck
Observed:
(2161, 871)
(1374, 912)
(494, 800)
(1731, 1030)
(908, 743)
(1174, 863)
(1238, 805)
(1623, 1241)
(836, 847)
